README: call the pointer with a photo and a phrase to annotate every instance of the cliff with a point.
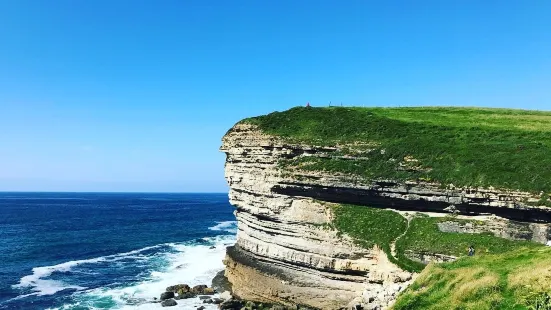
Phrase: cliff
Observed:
(332, 220)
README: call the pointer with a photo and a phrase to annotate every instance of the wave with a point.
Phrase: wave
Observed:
(227, 226)
(40, 286)
(188, 263)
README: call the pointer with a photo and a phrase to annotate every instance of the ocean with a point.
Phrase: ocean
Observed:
(77, 251)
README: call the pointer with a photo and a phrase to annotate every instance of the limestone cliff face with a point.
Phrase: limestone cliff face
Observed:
(287, 253)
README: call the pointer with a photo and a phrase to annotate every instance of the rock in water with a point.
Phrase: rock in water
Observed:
(167, 295)
(186, 295)
(169, 303)
(198, 289)
(217, 301)
(208, 291)
(178, 288)
(201, 308)
(220, 283)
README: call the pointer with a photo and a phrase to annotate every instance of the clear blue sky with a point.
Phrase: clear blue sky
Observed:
(135, 95)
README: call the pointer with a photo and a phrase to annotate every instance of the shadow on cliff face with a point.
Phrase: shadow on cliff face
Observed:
(373, 198)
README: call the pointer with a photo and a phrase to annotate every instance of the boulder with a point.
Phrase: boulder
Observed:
(207, 301)
(217, 301)
(169, 303)
(201, 308)
(208, 291)
(167, 295)
(183, 291)
(186, 295)
(198, 289)
(178, 288)
(204, 297)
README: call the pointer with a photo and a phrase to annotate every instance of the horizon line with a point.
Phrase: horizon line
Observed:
(109, 192)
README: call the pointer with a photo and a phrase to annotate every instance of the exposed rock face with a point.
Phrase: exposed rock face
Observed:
(286, 253)
(500, 227)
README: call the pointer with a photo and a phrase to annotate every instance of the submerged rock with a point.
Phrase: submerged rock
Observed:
(169, 303)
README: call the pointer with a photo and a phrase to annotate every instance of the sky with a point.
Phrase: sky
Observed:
(135, 95)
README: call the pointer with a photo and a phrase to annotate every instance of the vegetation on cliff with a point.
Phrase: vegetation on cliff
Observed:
(371, 226)
(461, 146)
(423, 235)
(519, 279)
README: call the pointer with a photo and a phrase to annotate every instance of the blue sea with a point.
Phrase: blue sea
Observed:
(108, 250)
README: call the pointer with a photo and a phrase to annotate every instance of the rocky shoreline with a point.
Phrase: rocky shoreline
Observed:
(219, 293)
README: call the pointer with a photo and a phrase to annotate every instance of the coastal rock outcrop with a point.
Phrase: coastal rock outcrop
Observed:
(169, 303)
(287, 251)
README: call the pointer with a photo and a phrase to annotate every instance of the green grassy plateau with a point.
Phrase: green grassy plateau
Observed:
(461, 146)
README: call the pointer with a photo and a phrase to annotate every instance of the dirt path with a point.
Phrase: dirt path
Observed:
(393, 244)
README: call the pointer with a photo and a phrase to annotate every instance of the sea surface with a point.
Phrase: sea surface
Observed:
(108, 250)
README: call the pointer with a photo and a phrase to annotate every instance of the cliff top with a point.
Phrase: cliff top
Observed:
(479, 147)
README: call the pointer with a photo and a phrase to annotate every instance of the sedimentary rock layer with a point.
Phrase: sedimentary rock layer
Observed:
(286, 250)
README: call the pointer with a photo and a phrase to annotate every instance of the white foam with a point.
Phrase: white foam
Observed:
(228, 226)
(41, 286)
(191, 264)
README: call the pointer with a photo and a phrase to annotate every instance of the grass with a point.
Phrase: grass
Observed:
(519, 279)
(372, 226)
(461, 146)
(424, 236)
(369, 226)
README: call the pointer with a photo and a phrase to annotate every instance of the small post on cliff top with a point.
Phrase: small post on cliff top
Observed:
(308, 104)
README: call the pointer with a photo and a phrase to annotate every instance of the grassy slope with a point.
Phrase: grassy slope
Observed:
(369, 226)
(463, 146)
(503, 274)
(519, 279)
(424, 236)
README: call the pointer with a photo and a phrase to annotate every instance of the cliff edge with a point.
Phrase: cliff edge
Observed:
(343, 207)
